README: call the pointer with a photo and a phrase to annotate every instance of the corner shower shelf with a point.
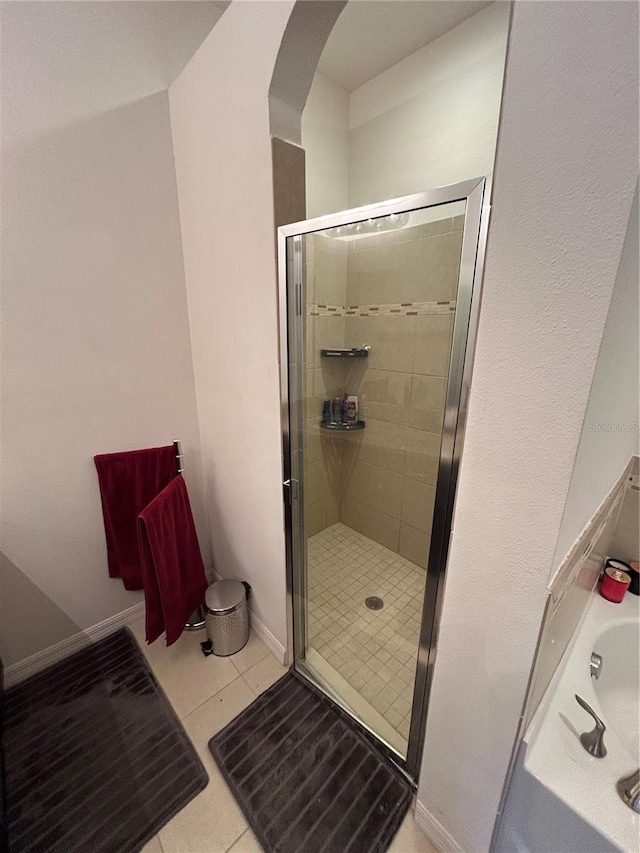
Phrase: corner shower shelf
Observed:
(342, 427)
(341, 352)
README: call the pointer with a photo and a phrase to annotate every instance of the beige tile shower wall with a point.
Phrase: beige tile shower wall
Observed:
(389, 470)
(326, 282)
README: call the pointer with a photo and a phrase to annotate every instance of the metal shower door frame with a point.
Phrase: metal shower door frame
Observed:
(291, 286)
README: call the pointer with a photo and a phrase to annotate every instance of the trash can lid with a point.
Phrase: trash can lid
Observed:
(225, 595)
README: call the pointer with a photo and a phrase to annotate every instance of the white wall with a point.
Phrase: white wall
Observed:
(429, 120)
(610, 430)
(96, 354)
(220, 120)
(325, 139)
(21, 633)
(565, 175)
(432, 119)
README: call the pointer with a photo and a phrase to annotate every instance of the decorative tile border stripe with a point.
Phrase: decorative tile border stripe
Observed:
(408, 309)
(325, 310)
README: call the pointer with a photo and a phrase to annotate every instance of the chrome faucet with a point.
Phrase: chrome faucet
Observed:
(592, 741)
(629, 790)
(595, 665)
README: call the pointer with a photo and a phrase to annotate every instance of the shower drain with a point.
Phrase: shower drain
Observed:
(374, 603)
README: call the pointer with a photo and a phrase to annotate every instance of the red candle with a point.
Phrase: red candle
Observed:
(614, 584)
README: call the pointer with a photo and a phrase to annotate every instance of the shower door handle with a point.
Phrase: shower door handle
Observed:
(290, 487)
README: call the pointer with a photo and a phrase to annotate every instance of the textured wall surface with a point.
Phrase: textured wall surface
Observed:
(29, 620)
(611, 430)
(96, 354)
(302, 41)
(220, 122)
(429, 120)
(446, 99)
(325, 139)
(563, 188)
(95, 341)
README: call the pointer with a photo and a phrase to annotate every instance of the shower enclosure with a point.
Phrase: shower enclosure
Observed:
(378, 307)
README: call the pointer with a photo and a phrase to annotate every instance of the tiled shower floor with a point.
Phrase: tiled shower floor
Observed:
(373, 650)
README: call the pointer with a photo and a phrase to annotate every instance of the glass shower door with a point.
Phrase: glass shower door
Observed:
(378, 306)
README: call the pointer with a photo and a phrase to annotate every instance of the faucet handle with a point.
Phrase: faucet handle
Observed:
(593, 741)
(629, 789)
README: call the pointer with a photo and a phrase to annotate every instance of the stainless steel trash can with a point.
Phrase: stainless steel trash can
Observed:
(227, 616)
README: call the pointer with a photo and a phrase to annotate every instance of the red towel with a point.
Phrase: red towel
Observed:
(128, 481)
(172, 567)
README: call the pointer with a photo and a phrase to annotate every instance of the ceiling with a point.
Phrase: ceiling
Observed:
(372, 35)
(65, 61)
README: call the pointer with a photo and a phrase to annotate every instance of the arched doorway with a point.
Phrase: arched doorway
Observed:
(378, 313)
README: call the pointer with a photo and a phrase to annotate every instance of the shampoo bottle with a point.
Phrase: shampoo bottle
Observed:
(352, 409)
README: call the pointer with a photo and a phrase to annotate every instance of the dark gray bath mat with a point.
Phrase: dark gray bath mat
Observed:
(97, 761)
(306, 778)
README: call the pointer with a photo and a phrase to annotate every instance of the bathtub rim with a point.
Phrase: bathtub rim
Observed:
(553, 753)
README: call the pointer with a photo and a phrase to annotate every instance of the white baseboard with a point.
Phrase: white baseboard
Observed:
(22, 670)
(275, 646)
(435, 831)
(18, 672)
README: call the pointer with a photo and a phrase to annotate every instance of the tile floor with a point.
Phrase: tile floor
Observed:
(374, 650)
(207, 693)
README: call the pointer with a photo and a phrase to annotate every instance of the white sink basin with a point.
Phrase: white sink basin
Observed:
(618, 687)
